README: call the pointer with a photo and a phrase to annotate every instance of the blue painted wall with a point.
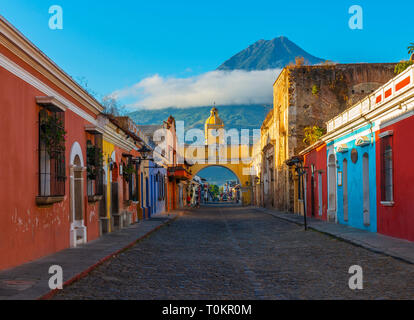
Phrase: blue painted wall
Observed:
(355, 184)
(156, 205)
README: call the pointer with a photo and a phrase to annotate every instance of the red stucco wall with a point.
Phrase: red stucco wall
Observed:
(398, 220)
(28, 232)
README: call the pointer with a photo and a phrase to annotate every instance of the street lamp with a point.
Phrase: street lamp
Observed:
(301, 170)
(144, 152)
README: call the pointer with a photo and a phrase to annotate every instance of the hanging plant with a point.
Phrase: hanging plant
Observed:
(128, 171)
(94, 161)
(52, 134)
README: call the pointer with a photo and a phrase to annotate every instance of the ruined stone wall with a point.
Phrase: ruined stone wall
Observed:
(319, 93)
(309, 96)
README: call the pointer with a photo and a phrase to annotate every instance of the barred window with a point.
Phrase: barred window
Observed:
(133, 181)
(387, 169)
(52, 169)
(95, 172)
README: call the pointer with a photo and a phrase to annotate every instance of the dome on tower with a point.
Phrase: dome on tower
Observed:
(214, 119)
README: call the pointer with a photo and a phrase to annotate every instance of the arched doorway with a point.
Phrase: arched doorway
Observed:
(224, 185)
(332, 188)
(78, 234)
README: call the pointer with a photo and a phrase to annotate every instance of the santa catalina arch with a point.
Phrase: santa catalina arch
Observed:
(217, 151)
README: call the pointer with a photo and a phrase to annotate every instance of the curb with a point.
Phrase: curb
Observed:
(357, 244)
(85, 273)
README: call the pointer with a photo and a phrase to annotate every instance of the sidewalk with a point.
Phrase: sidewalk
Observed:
(396, 248)
(31, 281)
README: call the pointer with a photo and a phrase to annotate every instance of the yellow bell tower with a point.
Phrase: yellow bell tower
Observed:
(214, 128)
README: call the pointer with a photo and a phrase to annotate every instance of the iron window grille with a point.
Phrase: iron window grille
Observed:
(387, 187)
(132, 181)
(52, 168)
(95, 174)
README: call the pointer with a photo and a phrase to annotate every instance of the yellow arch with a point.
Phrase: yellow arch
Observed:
(240, 170)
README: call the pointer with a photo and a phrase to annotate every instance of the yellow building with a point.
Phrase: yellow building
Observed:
(217, 152)
(115, 142)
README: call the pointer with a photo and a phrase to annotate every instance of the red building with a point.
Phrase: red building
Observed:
(316, 181)
(45, 122)
(395, 176)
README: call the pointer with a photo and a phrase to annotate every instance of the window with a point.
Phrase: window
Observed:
(133, 181)
(52, 170)
(135, 187)
(129, 172)
(387, 194)
(94, 164)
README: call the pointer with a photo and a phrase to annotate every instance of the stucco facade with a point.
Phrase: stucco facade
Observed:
(37, 218)
(309, 96)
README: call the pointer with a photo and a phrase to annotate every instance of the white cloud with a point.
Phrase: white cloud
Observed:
(223, 87)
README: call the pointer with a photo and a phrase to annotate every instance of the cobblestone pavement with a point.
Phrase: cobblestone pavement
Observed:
(241, 253)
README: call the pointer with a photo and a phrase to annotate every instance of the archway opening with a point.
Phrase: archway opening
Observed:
(220, 185)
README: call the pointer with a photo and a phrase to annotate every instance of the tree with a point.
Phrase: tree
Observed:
(313, 134)
(83, 82)
(404, 64)
(411, 48)
(215, 190)
(112, 106)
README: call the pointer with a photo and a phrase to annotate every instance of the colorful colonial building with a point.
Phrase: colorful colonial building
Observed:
(70, 173)
(45, 134)
(368, 160)
(309, 96)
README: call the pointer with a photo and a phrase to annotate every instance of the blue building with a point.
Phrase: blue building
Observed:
(153, 176)
(157, 182)
(352, 177)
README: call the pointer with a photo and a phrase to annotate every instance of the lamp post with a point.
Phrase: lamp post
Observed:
(144, 152)
(301, 171)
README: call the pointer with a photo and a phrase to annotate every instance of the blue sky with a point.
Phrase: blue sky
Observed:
(115, 44)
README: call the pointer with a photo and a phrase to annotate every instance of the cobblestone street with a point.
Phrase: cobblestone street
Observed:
(241, 253)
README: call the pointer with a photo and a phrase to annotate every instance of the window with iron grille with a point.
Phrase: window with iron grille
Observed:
(94, 165)
(387, 188)
(129, 172)
(132, 181)
(52, 169)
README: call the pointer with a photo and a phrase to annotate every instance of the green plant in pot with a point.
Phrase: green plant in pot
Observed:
(52, 134)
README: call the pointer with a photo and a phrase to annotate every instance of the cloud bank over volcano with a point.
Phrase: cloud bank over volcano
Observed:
(235, 87)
